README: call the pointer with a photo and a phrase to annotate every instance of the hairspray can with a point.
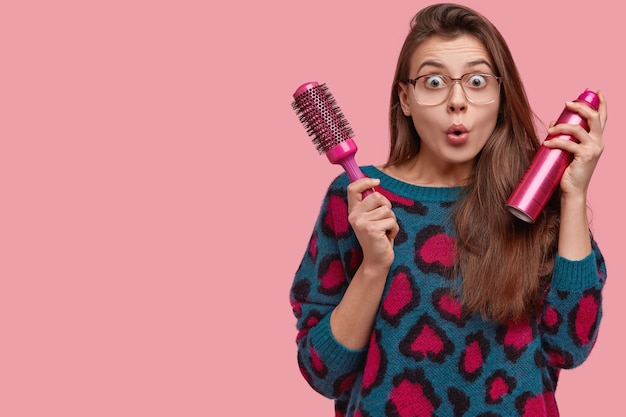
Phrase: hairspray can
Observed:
(544, 173)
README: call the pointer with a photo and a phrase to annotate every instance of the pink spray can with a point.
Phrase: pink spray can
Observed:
(544, 173)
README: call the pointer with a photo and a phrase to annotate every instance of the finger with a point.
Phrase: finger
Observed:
(595, 118)
(583, 141)
(383, 211)
(584, 110)
(564, 131)
(358, 187)
(392, 230)
(602, 110)
(564, 144)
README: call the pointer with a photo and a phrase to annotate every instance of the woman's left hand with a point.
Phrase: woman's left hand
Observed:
(577, 176)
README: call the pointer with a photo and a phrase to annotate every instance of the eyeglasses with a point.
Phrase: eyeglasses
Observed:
(434, 89)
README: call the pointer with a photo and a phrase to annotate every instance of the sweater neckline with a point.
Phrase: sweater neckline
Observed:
(413, 191)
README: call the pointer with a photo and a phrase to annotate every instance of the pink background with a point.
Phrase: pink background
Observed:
(158, 191)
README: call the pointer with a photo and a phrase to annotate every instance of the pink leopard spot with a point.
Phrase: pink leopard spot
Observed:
(338, 224)
(334, 277)
(428, 341)
(557, 359)
(373, 365)
(451, 305)
(518, 335)
(347, 382)
(586, 318)
(402, 295)
(534, 406)
(316, 361)
(473, 357)
(498, 389)
(411, 401)
(550, 317)
(438, 249)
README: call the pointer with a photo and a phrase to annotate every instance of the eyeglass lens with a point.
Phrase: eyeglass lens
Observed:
(478, 88)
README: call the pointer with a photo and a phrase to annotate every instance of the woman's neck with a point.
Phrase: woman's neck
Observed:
(418, 172)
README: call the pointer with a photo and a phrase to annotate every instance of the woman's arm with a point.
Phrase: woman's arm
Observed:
(573, 304)
(343, 277)
(375, 226)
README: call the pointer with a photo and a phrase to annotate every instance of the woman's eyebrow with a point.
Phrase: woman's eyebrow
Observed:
(430, 63)
(439, 65)
(479, 62)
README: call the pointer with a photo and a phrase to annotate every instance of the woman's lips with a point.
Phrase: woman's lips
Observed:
(457, 135)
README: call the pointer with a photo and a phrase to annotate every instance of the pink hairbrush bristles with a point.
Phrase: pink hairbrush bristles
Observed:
(329, 129)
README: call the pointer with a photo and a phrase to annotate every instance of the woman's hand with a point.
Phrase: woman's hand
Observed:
(577, 176)
(574, 242)
(373, 222)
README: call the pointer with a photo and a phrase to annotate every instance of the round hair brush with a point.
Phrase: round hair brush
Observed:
(325, 123)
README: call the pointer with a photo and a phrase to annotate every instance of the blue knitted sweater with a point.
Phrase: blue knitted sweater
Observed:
(427, 356)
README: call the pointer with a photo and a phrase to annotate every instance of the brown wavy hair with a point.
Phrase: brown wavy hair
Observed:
(505, 263)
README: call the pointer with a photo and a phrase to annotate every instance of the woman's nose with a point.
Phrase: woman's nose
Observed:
(456, 99)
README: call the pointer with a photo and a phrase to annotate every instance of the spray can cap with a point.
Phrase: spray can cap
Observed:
(590, 97)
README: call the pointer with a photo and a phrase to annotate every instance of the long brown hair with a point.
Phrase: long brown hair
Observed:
(505, 263)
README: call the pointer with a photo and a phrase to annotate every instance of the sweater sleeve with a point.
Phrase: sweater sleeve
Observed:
(328, 264)
(573, 309)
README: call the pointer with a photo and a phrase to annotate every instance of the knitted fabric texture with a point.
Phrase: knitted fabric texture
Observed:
(427, 356)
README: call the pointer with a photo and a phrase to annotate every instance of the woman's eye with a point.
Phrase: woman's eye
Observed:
(435, 81)
(476, 81)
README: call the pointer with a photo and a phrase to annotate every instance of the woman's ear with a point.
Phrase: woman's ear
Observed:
(403, 95)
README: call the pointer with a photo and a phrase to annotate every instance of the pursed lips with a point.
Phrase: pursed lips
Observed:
(457, 134)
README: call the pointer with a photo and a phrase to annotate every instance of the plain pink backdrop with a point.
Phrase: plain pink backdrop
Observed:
(158, 191)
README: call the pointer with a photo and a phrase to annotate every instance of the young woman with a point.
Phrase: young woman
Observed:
(428, 297)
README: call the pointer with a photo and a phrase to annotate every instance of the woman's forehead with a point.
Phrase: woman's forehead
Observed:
(459, 53)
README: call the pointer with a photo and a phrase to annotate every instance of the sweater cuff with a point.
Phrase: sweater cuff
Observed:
(334, 354)
(575, 275)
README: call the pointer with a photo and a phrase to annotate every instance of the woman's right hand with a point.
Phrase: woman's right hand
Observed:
(375, 226)
(373, 222)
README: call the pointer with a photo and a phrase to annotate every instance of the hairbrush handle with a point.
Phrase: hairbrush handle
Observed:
(343, 154)
(325, 122)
